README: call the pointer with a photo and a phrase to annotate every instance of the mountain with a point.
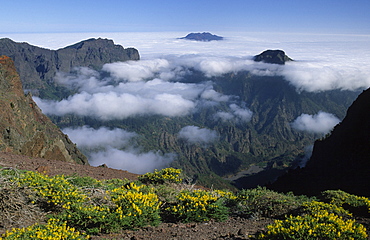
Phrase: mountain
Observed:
(37, 66)
(273, 57)
(266, 142)
(203, 37)
(339, 161)
(23, 128)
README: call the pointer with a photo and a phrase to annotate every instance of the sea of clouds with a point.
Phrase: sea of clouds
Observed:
(149, 86)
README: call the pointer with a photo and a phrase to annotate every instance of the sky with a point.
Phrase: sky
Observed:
(315, 16)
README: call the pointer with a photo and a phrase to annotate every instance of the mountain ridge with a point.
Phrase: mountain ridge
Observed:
(37, 66)
(339, 161)
(23, 128)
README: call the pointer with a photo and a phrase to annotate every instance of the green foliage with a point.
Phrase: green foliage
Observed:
(166, 175)
(93, 207)
(56, 191)
(126, 207)
(320, 225)
(84, 182)
(316, 207)
(355, 204)
(198, 206)
(319, 220)
(53, 230)
(110, 184)
(267, 203)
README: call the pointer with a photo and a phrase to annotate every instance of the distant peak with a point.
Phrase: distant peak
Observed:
(272, 56)
(203, 37)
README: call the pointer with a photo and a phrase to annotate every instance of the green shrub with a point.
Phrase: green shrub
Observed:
(53, 230)
(198, 206)
(128, 207)
(355, 204)
(137, 205)
(56, 191)
(166, 175)
(84, 182)
(267, 203)
(316, 207)
(111, 184)
(320, 225)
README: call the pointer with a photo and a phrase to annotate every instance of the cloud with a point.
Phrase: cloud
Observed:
(132, 161)
(115, 148)
(87, 137)
(321, 123)
(236, 113)
(154, 97)
(307, 155)
(321, 76)
(139, 70)
(197, 135)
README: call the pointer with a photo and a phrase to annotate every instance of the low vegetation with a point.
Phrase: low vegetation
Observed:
(36, 206)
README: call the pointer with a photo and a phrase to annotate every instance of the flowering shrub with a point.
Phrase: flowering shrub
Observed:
(320, 221)
(53, 230)
(129, 206)
(316, 207)
(136, 206)
(320, 225)
(355, 204)
(197, 206)
(166, 175)
(56, 190)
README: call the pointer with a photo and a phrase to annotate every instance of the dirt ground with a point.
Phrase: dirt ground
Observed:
(233, 228)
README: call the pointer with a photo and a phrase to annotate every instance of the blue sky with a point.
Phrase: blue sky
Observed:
(315, 16)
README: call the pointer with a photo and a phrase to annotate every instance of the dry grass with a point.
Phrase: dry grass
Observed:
(16, 205)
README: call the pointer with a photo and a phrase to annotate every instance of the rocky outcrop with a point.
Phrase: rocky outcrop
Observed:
(37, 66)
(203, 37)
(341, 160)
(23, 128)
(272, 56)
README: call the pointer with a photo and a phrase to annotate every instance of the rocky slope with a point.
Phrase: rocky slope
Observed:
(23, 128)
(37, 66)
(341, 160)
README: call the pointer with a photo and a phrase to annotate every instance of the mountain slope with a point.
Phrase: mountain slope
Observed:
(37, 66)
(340, 161)
(23, 128)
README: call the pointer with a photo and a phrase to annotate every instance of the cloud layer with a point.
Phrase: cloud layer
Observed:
(197, 135)
(114, 147)
(323, 62)
(320, 123)
(152, 85)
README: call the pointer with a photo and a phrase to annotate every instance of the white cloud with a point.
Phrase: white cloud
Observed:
(319, 123)
(235, 113)
(87, 137)
(210, 94)
(114, 148)
(132, 161)
(194, 135)
(137, 70)
(323, 76)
